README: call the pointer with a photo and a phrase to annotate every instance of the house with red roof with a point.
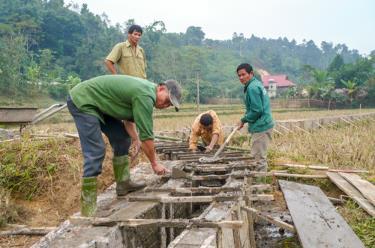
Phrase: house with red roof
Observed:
(276, 84)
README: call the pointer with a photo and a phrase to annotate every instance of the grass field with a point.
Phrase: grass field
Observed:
(170, 120)
(176, 121)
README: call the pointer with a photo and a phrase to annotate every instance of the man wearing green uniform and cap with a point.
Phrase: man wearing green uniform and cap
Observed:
(99, 105)
(258, 115)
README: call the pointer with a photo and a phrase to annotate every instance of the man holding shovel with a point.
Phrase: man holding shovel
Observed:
(258, 115)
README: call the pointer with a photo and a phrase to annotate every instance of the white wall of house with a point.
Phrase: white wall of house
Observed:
(272, 89)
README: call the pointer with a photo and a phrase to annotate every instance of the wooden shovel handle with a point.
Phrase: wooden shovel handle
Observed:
(218, 152)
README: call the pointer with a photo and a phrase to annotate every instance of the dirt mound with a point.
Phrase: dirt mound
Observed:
(58, 199)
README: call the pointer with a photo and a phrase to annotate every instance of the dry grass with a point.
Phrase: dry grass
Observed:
(343, 146)
(9, 211)
(176, 122)
(29, 166)
(172, 121)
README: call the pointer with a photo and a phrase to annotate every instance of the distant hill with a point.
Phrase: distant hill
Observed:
(48, 41)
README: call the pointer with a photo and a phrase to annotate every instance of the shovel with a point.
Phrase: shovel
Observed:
(220, 150)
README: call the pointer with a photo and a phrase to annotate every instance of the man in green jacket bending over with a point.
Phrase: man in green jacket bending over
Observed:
(99, 105)
(258, 115)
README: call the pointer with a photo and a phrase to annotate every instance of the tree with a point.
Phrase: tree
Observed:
(13, 60)
(33, 76)
(238, 42)
(370, 88)
(194, 36)
(352, 88)
(336, 64)
(127, 25)
(62, 29)
(359, 72)
(320, 76)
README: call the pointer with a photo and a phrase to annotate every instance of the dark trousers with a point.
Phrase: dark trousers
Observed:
(90, 130)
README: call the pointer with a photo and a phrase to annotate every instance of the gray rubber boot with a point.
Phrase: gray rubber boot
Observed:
(122, 176)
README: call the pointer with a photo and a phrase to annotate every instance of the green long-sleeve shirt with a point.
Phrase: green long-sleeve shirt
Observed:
(120, 96)
(258, 110)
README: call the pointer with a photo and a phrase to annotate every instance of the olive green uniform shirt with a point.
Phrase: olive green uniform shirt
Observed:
(131, 61)
(120, 96)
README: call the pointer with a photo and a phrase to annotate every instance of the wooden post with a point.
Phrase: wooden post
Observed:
(236, 232)
(301, 129)
(219, 238)
(285, 128)
(278, 132)
(247, 184)
(163, 233)
(171, 216)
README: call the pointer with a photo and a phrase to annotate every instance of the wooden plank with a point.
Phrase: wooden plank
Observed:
(315, 218)
(298, 175)
(281, 174)
(348, 171)
(180, 223)
(28, 231)
(318, 167)
(302, 166)
(224, 159)
(195, 155)
(17, 115)
(366, 188)
(352, 192)
(213, 168)
(184, 199)
(198, 199)
(270, 219)
(241, 175)
(205, 190)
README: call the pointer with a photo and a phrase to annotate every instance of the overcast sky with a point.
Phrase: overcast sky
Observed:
(338, 21)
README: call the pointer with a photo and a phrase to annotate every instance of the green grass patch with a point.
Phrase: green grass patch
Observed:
(290, 242)
(362, 224)
(28, 167)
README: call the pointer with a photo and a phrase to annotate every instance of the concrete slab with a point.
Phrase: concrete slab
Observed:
(70, 235)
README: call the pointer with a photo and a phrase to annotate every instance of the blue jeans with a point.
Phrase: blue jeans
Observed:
(90, 130)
